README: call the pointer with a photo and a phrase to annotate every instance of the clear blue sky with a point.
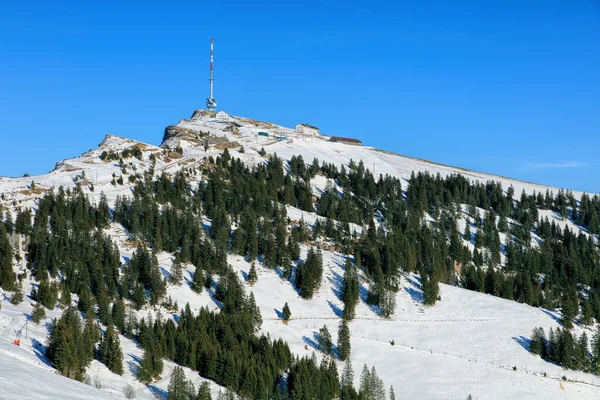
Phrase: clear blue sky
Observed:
(510, 87)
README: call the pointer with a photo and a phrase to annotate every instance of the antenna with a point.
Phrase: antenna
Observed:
(211, 103)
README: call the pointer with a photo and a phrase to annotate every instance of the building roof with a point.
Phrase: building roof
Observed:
(344, 139)
(309, 126)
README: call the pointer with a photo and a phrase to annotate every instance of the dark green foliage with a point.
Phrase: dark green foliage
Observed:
(91, 335)
(17, 297)
(343, 342)
(118, 316)
(252, 274)
(38, 313)
(110, 353)
(204, 392)
(144, 268)
(595, 354)
(176, 275)
(430, 289)
(254, 311)
(350, 290)
(538, 342)
(151, 365)
(7, 275)
(46, 294)
(569, 309)
(65, 346)
(178, 385)
(286, 313)
(309, 273)
(23, 222)
(325, 343)
(567, 350)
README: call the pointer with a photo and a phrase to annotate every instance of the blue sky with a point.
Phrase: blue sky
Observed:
(507, 87)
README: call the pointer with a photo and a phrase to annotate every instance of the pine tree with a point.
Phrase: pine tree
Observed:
(595, 364)
(65, 346)
(252, 275)
(38, 313)
(365, 387)
(392, 394)
(350, 290)
(254, 312)
(17, 297)
(118, 315)
(91, 335)
(325, 343)
(387, 303)
(538, 342)
(198, 280)
(204, 392)
(286, 313)
(467, 233)
(430, 289)
(7, 275)
(343, 341)
(347, 375)
(176, 275)
(569, 309)
(110, 353)
(178, 385)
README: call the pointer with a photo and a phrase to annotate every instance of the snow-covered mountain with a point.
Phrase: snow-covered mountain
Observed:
(468, 343)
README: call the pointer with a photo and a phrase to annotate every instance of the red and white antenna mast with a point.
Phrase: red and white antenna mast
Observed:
(211, 103)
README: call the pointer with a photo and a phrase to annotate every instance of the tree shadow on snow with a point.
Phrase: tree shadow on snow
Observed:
(158, 393)
(337, 284)
(415, 290)
(312, 342)
(552, 315)
(363, 293)
(40, 352)
(245, 275)
(523, 342)
(279, 313)
(133, 368)
(211, 292)
(165, 273)
(336, 310)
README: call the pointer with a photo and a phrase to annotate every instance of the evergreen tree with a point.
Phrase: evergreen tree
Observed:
(538, 342)
(254, 311)
(350, 290)
(65, 349)
(204, 392)
(325, 343)
(430, 289)
(118, 315)
(252, 275)
(392, 394)
(569, 309)
(176, 275)
(151, 365)
(387, 303)
(91, 335)
(38, 313)
(110, 353)
(343, 341)
(286, 313)
(347, 375)
(7, 275)
(198, 280)
(595, 362)
(178, 385)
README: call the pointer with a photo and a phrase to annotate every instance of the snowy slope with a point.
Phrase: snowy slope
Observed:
(467, 344)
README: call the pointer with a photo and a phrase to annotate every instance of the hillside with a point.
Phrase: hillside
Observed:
(187, 200)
